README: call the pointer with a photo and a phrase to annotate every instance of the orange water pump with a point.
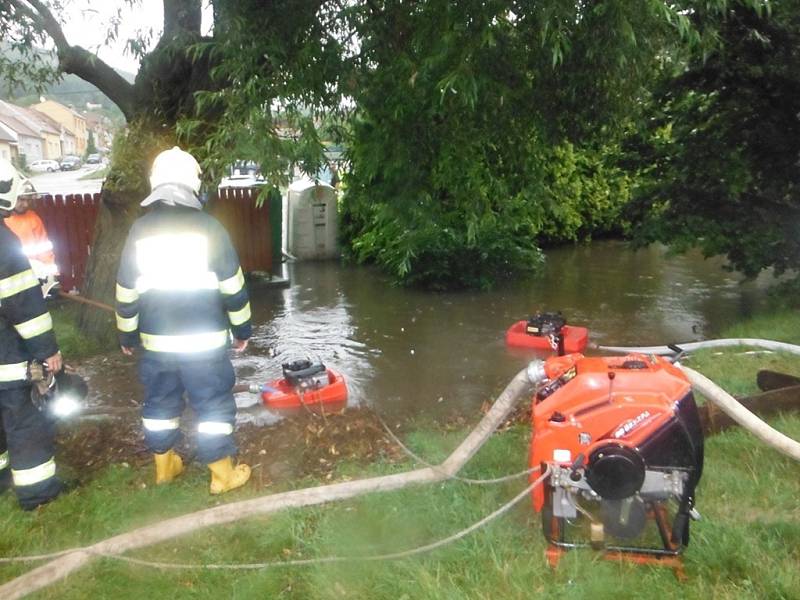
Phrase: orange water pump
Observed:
(623, 441)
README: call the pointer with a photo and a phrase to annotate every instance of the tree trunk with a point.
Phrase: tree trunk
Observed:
(125, 187)
(117, 212)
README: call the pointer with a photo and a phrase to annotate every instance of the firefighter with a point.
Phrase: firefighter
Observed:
(28, 227)
(180, 295)
(26, 333)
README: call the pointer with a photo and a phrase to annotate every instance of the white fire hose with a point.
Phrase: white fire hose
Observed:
(722, 399)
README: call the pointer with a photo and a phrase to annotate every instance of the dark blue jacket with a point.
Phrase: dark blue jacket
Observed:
(180, 289)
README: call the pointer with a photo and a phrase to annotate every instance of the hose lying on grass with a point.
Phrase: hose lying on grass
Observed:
(72, 560)
(723, 400)
(691, 346)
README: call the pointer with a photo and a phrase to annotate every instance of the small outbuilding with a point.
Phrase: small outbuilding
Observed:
(312, 220)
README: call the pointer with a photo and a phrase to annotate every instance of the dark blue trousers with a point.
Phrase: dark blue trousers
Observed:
(207, 384)
(28, 437)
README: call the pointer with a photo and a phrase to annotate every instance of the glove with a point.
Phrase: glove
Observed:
(41, 379)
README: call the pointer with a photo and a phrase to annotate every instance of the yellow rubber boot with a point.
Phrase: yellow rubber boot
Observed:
(225, 477)
(168, 466)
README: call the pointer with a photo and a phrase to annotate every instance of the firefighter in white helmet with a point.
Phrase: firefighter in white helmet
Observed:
(26, 334)
(181, 296)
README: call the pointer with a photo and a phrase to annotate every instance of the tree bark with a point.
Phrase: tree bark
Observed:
(118, 211)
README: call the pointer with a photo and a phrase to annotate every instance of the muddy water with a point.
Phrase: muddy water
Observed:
(410, 353)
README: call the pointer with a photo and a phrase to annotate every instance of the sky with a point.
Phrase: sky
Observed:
(86, 23)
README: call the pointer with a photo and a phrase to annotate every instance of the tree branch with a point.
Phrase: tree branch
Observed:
(182, 15)
(79, 61)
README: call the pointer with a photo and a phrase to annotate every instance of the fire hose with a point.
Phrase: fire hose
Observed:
(724, 401)
(68, 561)
(88, 301)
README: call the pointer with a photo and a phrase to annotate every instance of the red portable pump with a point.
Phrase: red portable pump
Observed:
(305, 385)
(624, 444)
(547, 331)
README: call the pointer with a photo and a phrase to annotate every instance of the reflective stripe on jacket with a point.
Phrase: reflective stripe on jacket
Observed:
(180, 289)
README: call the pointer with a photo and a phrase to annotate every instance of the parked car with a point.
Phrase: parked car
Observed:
(44, 166)
(94, 159)
(70, 163)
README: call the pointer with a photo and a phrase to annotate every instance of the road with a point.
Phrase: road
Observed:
(67, 182)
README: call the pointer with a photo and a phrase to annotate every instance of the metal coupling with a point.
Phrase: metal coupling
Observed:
(254, 388)
(535, 372)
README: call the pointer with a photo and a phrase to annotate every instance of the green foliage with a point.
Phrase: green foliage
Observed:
(270, 84)
(132, 153)
(464, 157)
(719, 164)
(91, 147)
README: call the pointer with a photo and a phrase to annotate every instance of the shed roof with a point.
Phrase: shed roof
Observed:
(305, 183)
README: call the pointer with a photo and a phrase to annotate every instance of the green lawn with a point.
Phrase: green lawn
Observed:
(72, 343)
(746, 546)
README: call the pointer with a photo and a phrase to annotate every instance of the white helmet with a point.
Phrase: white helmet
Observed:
(12, 185)
(175, 166)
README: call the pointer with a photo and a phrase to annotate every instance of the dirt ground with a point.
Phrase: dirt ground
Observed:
(303, 445)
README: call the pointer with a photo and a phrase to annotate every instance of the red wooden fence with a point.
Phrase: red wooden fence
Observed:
(70, 221)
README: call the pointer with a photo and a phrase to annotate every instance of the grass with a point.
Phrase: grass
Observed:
(746, 546)
(72, 343)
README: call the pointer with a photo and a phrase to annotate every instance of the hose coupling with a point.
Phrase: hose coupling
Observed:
(535, 372)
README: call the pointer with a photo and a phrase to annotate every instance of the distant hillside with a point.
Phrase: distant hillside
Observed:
(70, 90)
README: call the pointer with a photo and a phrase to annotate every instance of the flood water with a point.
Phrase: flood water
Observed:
(410, 353)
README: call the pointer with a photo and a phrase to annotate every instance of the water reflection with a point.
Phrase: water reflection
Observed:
(410, 352)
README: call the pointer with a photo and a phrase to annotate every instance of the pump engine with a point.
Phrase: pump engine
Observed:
(624, 444)
(305, 375)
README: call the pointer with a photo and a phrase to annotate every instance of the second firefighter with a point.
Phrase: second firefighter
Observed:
(180, 294)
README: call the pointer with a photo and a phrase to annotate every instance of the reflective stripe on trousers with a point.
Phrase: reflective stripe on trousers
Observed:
(214, 428)
(35, 474)
(161, 424)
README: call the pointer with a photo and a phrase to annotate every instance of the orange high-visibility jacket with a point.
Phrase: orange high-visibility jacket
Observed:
(29, 228)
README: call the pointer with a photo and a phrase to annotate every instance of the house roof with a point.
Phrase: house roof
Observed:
(48, 123)
(17, 126)
(74, 112)
(28, 118)
(7, 134)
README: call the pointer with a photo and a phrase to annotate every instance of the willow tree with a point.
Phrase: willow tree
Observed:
(721, 157)
(179, 64)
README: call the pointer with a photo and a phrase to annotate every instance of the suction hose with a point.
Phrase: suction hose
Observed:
(736, 411)
(691, 346)
(727, 403)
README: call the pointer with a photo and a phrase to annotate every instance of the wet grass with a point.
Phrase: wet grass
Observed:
(71, 341)
(747, 545)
